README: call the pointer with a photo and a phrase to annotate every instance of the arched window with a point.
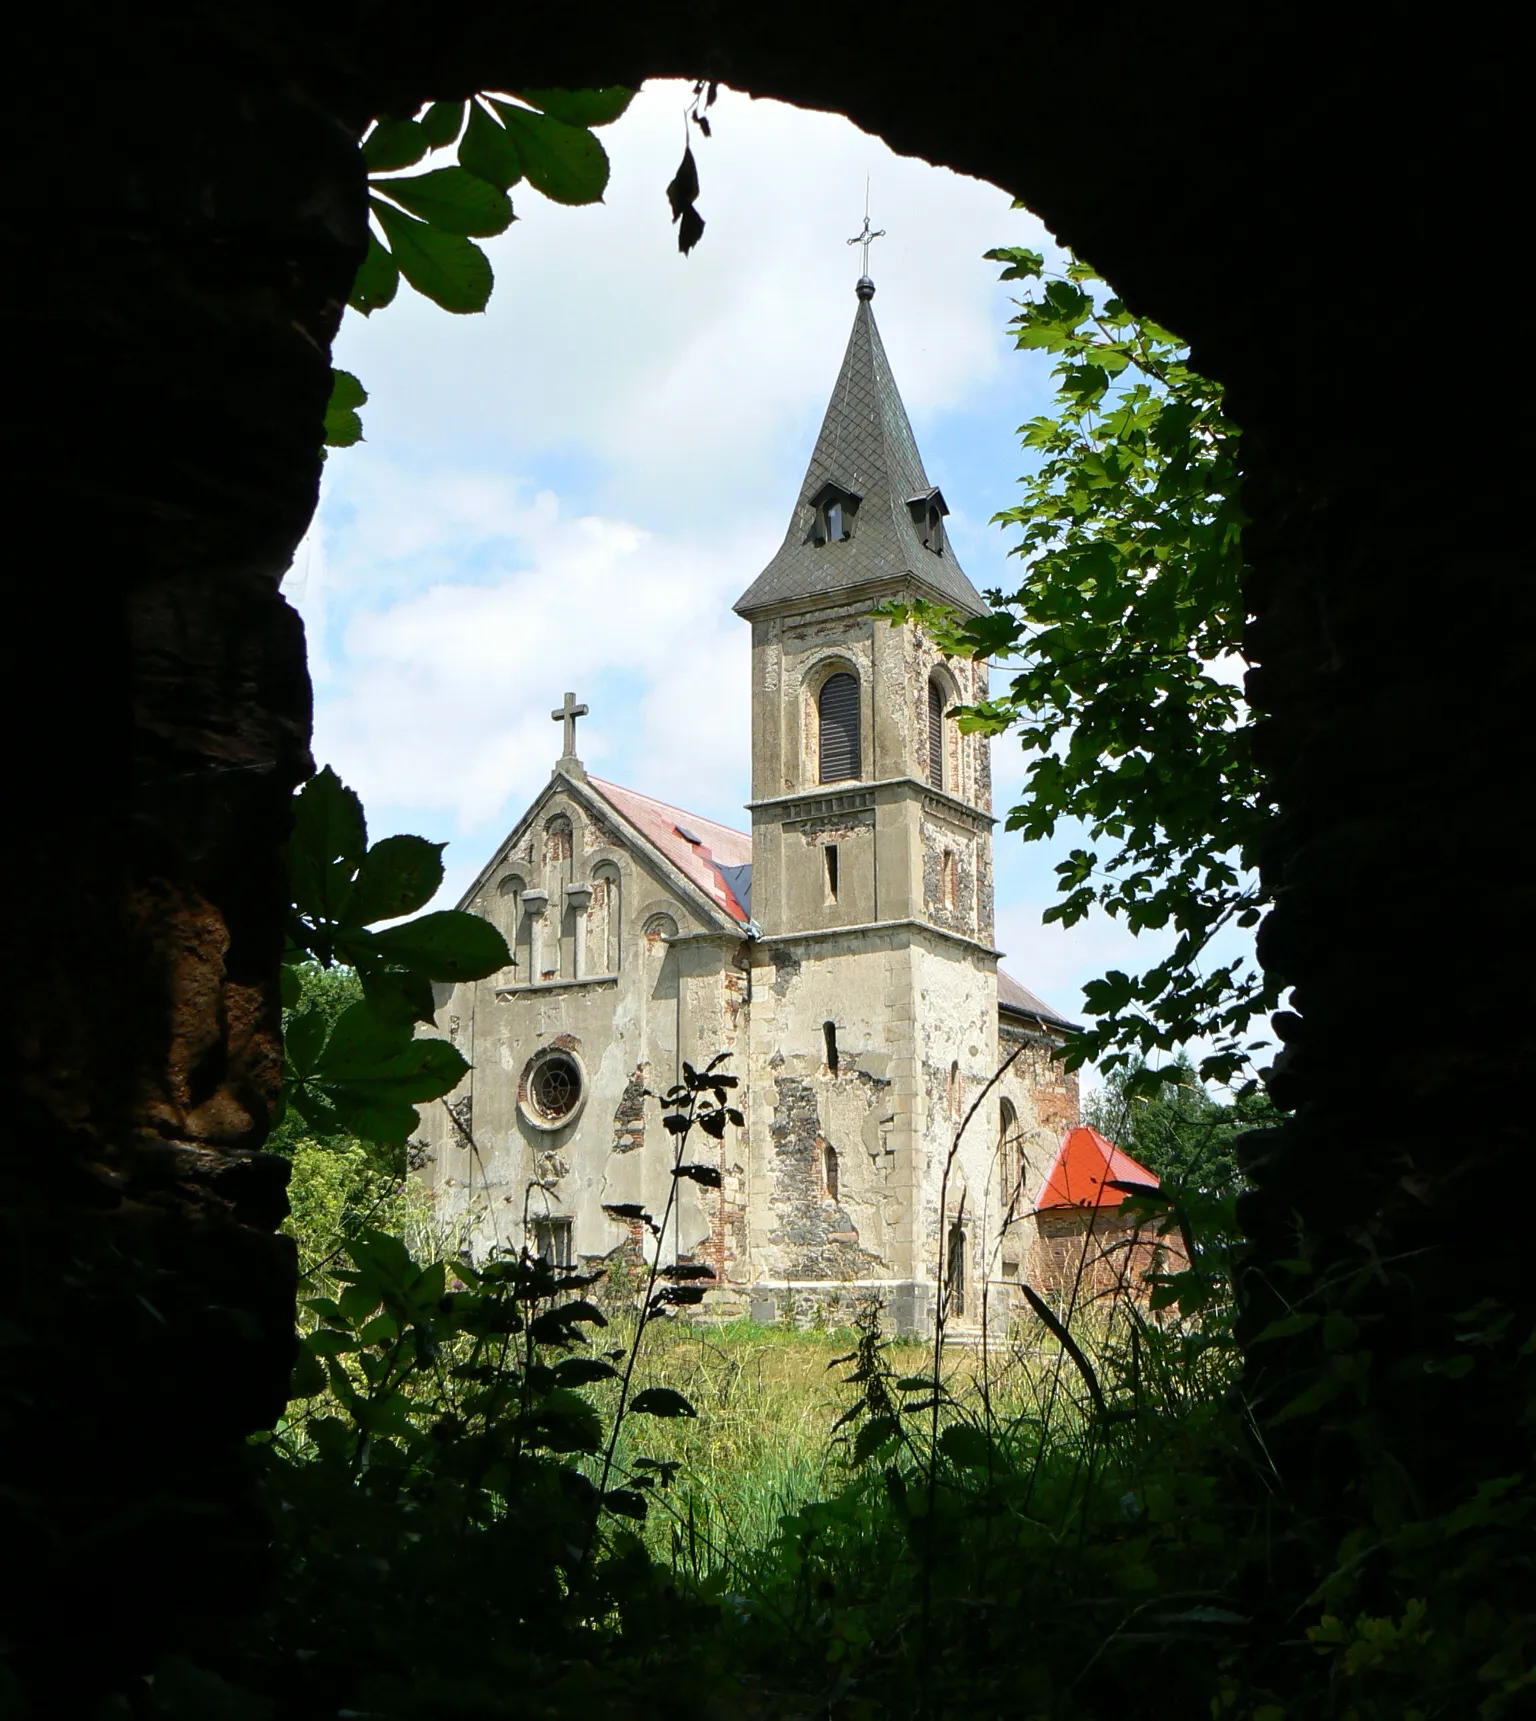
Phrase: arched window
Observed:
(838, 709)
(607, 917)
(935, 734)
(557, 845)
(510, 891)
(949, 879)
(1009, 1158)
(954, 1091)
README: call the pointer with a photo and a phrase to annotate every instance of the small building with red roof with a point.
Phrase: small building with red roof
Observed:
(1088, 1238)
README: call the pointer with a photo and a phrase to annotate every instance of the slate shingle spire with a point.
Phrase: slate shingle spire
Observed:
(865, 462)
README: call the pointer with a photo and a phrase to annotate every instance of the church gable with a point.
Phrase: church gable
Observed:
(589, 863)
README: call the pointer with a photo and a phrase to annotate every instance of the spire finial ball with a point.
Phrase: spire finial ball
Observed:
(865, 288)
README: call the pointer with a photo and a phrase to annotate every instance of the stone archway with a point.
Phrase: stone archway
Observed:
(171, 326)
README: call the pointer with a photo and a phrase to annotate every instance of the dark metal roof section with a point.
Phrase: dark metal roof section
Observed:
(866, 450)
(1017, 1000)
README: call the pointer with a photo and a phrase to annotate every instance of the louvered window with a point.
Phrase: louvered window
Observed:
(935, 735)
(839, 710)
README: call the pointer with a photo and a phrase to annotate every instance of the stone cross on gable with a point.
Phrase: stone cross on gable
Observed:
(567, 714)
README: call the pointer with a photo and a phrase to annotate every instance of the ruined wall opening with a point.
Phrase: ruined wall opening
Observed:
(954, 1271)
(828, 1170)
(829, 1040)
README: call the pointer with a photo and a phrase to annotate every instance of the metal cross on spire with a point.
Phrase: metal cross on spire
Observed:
(865, 236)
(567, 713)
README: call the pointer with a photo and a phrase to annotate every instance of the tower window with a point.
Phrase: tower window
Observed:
(833, 511)
(829, 1037)
(829, 859)
(949, 879)
(933, 535)
(935, 734)
(927, 510)
(838, 710)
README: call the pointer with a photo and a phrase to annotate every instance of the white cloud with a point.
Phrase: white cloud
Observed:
(440, 701)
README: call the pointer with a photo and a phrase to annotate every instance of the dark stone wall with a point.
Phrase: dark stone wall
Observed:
(182, 229)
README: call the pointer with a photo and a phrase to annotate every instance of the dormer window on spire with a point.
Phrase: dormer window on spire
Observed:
(834, 507)
(928, 509)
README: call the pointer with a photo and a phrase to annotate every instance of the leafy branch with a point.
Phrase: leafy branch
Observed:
(1121, 642)
(423, 225)
(701, 1099)
(364, 1072)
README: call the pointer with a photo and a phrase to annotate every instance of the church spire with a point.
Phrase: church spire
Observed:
(866, 511)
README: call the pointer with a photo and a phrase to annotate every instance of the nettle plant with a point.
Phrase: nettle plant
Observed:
(453, 1444)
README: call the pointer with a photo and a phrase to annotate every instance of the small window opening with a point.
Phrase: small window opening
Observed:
(553, 1240)
(954, 1271)
(829, 1035)
(835, 532)
(829, 856)
(949, 873)
(1010, 1153)
(933, 536)
(953, 1091)
(829, 1184)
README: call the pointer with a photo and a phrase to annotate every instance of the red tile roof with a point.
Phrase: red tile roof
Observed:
(1085, 1163)
(718, 845)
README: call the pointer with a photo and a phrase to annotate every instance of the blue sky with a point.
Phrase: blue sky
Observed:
(570, 490)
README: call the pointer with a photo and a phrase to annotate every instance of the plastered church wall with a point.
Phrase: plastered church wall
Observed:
(677, 989)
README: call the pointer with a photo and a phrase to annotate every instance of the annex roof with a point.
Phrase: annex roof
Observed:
(719, 861)
(1020, 1001)
(867, 450)
(1085, 1163)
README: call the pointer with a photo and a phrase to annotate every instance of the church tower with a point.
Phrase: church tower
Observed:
(874, 1021)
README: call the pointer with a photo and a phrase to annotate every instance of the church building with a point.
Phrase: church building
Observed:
(842, 954)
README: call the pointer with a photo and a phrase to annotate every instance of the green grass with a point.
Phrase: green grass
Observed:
(763, 1444)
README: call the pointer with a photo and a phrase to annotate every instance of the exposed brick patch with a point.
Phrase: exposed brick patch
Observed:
(629, 1114)
(1088, 1254)
(818, 1235)
(1052, 1087)
(786, 970)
